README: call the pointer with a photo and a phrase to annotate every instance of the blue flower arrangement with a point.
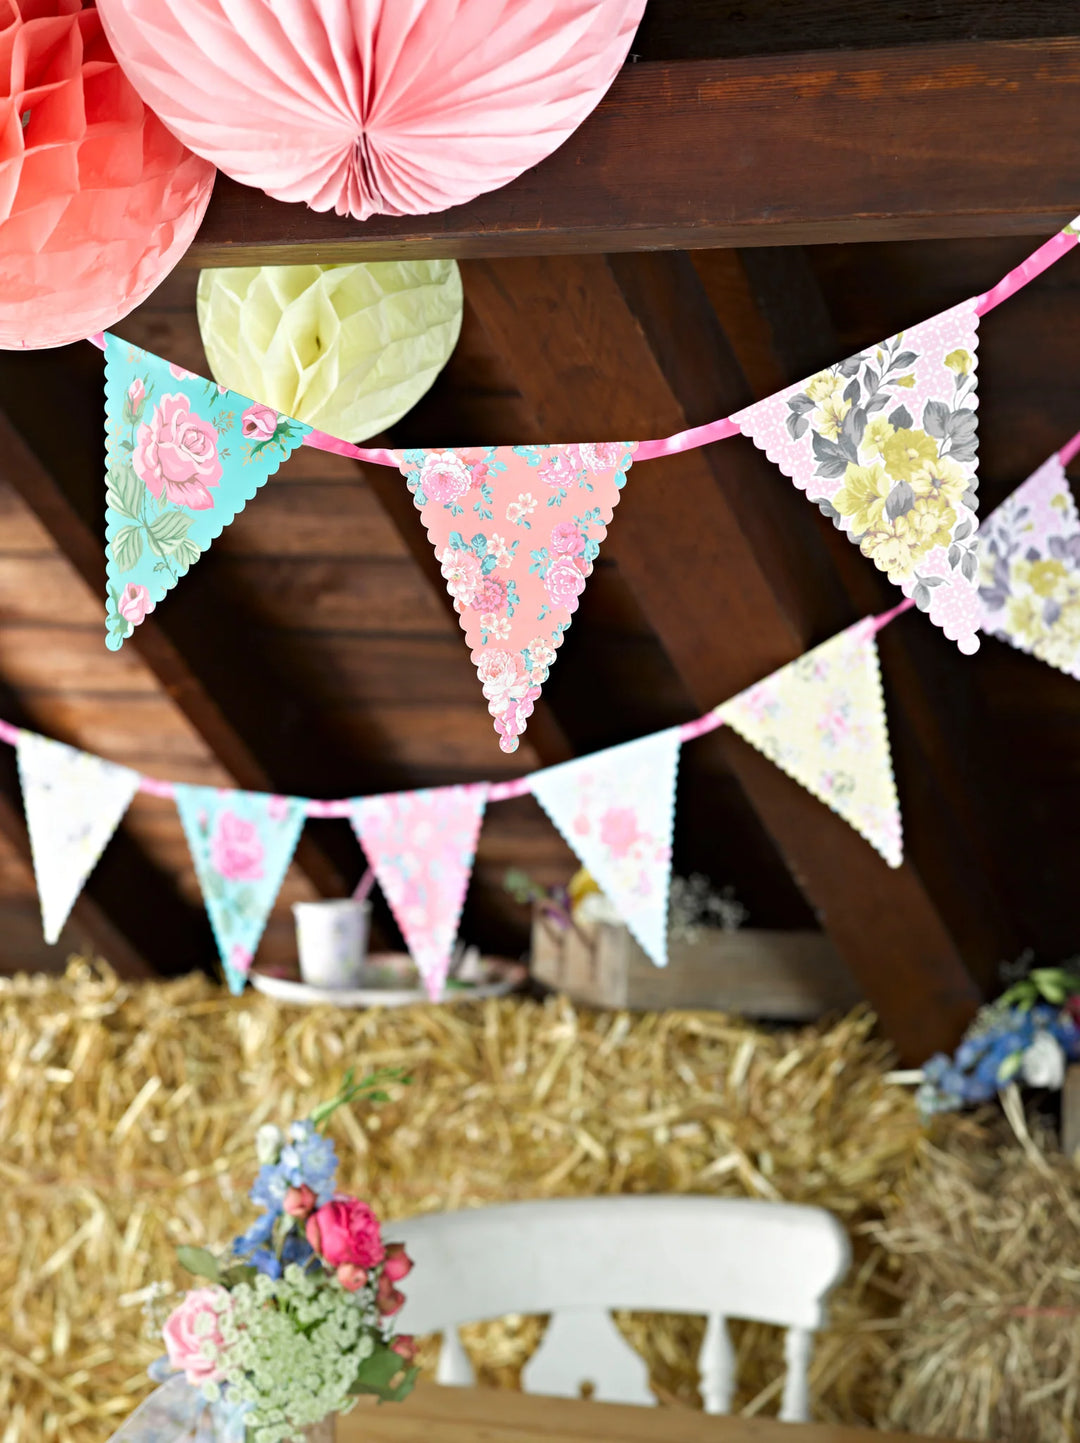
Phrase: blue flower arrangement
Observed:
(1029, 1035)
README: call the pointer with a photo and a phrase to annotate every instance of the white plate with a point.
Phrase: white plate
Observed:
(284, 989)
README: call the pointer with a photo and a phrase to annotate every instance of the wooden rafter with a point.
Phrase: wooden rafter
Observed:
(632, 343)
(204, 703)
(912, 142)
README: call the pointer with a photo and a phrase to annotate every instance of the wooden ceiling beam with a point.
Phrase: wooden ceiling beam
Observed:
(632, 342)
(973, 138)
(211, 709)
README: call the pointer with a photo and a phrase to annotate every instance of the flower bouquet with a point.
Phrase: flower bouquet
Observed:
(1028, 1035)
(295, 1322)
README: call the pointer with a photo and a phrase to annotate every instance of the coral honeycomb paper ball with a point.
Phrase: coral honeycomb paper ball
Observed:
(98, 201)
(393, 107)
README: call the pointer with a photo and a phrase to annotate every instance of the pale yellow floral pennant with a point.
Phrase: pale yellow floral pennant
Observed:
(822, 720)
(885, 444)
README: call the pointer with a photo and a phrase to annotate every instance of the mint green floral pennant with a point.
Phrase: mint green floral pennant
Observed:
(241, 844)
(183, 457)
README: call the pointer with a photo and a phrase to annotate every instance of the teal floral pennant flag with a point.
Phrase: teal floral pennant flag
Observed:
(183, 457)
(241, 844)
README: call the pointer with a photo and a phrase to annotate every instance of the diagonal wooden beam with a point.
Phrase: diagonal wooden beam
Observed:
(128, 912)
(242, 753)
(974, 138)
(630, 347)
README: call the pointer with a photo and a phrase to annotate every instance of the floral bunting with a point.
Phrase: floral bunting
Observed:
(616, 809)
(822, 720)
(183, 457)
(241, 844)
(516, 530)
(1029, 550)
(885, 444)
(421, 846)
(74, 802)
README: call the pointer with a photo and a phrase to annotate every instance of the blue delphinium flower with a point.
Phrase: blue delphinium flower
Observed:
(306, 1158)
(266, 1262)
(297, 1249)
(257, 1236)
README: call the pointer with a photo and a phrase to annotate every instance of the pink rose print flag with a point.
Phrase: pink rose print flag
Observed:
(616, 809)
(516, 530)
(183, 457)
(822, 720)
(241, 844)
(421, 846)
(885, 444)
(74, 802)
(1029, 554)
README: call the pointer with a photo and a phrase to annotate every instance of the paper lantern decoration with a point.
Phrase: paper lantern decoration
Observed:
(346, 349)
(372, 107)
(98, 201)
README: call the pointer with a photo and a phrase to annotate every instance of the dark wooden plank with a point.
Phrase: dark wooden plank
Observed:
(974, 138)
(631, 341)
(706, 29)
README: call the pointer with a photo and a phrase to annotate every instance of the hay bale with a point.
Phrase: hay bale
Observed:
(984, 1248)
(127, 1115)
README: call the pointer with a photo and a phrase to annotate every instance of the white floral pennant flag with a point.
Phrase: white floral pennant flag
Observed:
(822, 720)
(516, 530)
(616, 809)
(421, 847)
(885, 444)
(74, 803)
(1029, 553)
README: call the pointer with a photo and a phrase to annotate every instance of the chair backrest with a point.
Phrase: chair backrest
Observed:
(579, 1258)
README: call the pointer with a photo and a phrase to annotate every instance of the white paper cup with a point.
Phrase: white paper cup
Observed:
(332, 938)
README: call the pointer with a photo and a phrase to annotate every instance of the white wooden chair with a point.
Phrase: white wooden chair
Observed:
(579, 1258)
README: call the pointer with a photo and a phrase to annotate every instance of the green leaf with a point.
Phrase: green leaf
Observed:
(200, 1262)
(187, 552)
(377, 1372)
(168, 530)
(127, 547)
(125, 491)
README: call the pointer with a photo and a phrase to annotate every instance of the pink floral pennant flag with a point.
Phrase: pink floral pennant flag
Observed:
(421, 846)
(241, 844)
(885, 444)
(1029, 554)
(616, 809)
(822, 720)
(74, 802)
(183, 457)
(516, 530)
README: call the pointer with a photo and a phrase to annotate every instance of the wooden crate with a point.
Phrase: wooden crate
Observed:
(788, 976)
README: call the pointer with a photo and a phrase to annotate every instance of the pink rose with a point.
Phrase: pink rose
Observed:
(346, 1231)
(404, 1345)
(135, 393)
(601, 455)
(193, 1330)
(258, 423)
(351, 1278)
(181, 374)
(177, 454)
(398, 1264)
(299, 1201)
(236, 849)
(491, 596)
(618, 830)
(445, 477)
(561, 469)
(463, 573)
(240, 959)
(564, 582)
(502, 674)
(134, 603)
(566, 539)
(387, 1298)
